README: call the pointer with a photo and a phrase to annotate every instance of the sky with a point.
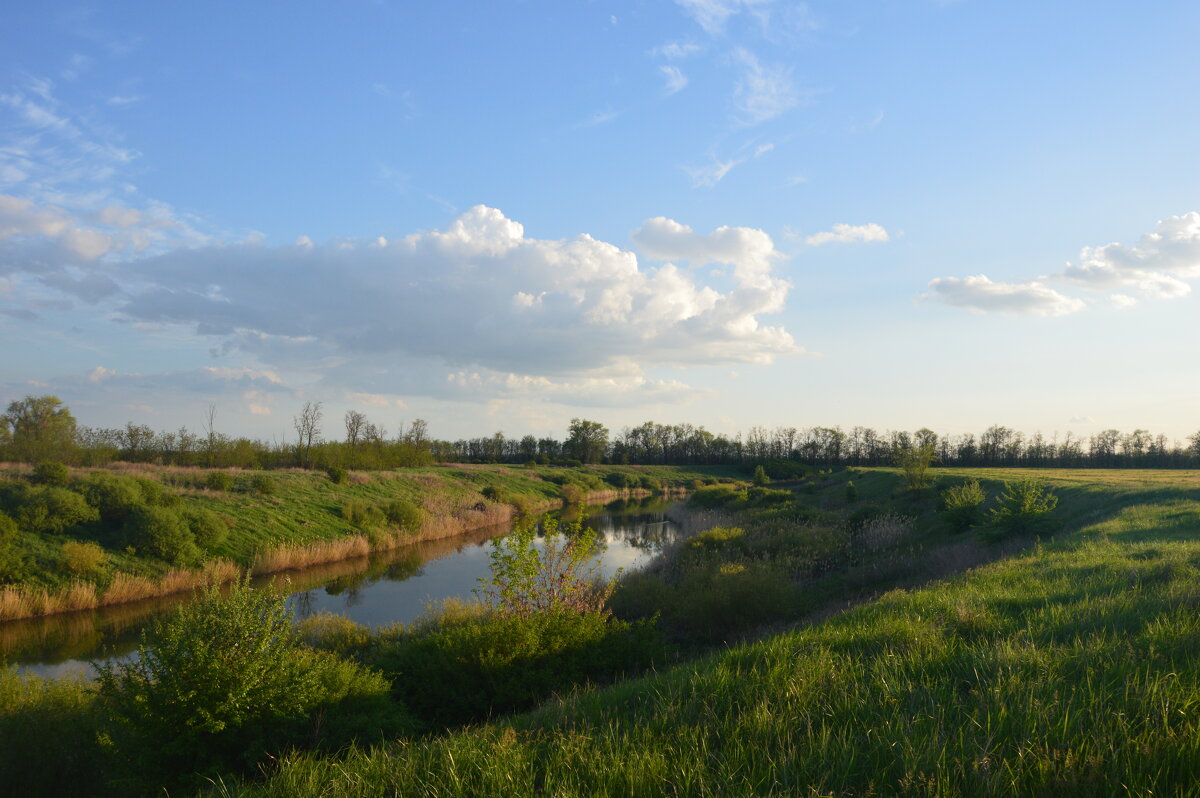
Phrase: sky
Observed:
(501, 215)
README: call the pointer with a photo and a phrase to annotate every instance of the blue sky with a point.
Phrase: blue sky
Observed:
(500, 215)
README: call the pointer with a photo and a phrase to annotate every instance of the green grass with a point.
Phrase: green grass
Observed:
(305, 508)
(1072, 669)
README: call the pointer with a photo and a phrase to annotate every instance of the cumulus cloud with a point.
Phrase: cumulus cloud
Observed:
(848, 233)
(477, 296)
(980, 294)
(1159, 265)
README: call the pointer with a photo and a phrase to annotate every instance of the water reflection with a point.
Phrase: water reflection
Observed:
(385, 588)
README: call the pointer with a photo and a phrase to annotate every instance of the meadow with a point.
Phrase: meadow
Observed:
(833, 635)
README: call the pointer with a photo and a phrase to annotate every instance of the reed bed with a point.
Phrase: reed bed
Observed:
(287, 558)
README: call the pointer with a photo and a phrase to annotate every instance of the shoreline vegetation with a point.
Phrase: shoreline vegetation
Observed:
(304, 518)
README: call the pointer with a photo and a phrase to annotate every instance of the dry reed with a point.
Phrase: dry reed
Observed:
(287, 558)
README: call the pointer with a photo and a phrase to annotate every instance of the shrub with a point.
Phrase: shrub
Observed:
(221, 684)
(489, 663)
(915, 462)
(760, 476)
(113, 496)
(647, 482)
(1025, 506)
(851, 493)
(404, 515)
(337, 475)
(84, 559)
(47, 509)
(564, 576)
(362, 514)
(262, 484)
(55, 474)
(495, 494)
(964, 505)
(219, 481)
(10, 555)
(714, 496)
(208, 529)
(719, 538)
(336, 634)
(162, 532)
(571, 494)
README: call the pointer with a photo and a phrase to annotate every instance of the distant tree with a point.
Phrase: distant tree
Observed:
(915, 461)
(356, 424)
(1194, 440)
(586, 440)
(40, 428)
(308, 428)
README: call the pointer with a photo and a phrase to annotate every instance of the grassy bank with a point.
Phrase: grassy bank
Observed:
(263, 522)
(1072, 668)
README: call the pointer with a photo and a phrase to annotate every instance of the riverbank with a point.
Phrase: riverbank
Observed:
(272, 522)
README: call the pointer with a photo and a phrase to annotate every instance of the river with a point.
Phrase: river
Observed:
(390, 587)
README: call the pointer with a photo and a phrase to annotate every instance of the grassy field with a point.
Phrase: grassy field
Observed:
(1070, 668)
(300, 521)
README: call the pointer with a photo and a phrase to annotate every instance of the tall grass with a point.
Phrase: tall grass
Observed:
(1072, 669)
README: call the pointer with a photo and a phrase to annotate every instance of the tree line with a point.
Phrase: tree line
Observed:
(42, 428)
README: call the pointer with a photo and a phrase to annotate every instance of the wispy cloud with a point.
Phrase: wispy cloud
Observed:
(675, 51)
(763, 91)
(712, 15)
(676, 81)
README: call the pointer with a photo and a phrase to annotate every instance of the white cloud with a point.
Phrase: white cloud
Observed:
(848, 233)
(675, 51)
(477, 297)
(1122, 301)
(711, 15)
(981, 295)
(763, 91)
(711, 173)
(1159, 265)
(676, 81)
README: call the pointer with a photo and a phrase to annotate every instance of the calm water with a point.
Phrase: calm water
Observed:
(391, 587)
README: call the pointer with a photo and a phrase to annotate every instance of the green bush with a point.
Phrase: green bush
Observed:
(714, 496)
(336, 634)
(719, 538)
(54, 474)
(11, 560)
(647, 482)
(621, 480)
(219, 481)
(161, 532)
(851, 493)
(84, 559)
(45, 509)
(760, 476)
(571, 494)
(113, 496)
(475, 667)
(208, 529)
(1026, 506)
(963, 505)
(362, 514)
(495, 494)
(337, 475)
(404, 515)
(262, 484)
(223, 684)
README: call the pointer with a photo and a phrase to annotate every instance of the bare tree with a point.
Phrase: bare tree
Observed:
(308, 429)
(210, 430)
(356, 424)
